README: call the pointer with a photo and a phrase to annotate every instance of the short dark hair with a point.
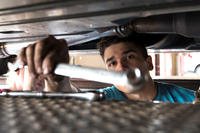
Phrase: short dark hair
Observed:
(108, 41)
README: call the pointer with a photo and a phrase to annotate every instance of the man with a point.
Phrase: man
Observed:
(122, 54)
(119, 54)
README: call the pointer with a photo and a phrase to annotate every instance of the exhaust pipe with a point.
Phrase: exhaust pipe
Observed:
(185, 24)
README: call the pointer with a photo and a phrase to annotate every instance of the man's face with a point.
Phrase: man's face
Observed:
(122, 57)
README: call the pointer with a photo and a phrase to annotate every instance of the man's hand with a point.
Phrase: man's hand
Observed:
(41, 59)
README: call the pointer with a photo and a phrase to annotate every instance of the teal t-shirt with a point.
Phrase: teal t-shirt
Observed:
(165, 93)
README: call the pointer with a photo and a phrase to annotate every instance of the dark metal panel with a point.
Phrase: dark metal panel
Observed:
(21, 19)
(7, 4)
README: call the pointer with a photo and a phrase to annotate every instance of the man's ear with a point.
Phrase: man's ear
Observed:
(149, 63)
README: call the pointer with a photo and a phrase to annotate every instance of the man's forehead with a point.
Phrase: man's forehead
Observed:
(121, 48)
(125, 45)
(113, 56)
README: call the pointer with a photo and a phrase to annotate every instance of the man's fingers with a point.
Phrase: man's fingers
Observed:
(27, 80)
(49, 63)
(39, 49)
(22, 57)
(30, 60)
(64, 54)
(42, 49)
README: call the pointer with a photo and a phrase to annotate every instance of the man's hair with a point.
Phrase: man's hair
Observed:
(108, 41)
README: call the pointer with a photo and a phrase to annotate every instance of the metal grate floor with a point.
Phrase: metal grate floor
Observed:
(48, 115)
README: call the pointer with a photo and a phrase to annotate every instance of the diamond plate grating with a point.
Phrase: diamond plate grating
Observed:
(30, 115)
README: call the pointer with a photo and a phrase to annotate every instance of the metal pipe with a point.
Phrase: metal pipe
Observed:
(185, 24)
(91, 96)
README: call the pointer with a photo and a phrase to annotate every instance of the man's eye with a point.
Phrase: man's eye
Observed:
(130, 56)
(112, 64)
